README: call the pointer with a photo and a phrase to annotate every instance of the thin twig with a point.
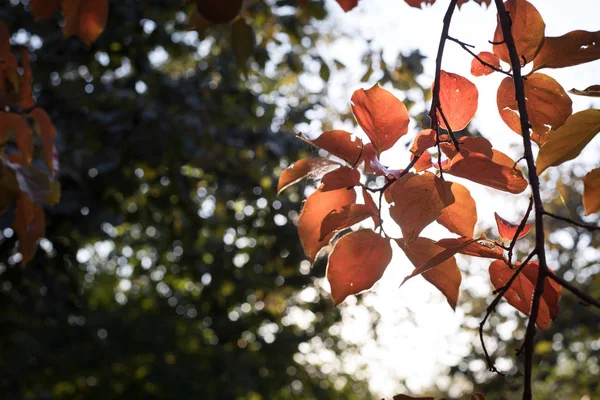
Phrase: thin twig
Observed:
(449, 129)
(515, 62)
(590, 228)
(519, 230)
(586, 298)
(466, 46)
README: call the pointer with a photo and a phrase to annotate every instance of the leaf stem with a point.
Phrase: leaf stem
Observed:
(519, 230)
(466, 46)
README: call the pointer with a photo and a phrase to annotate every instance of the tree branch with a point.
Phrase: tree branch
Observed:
(466, 46)
(519, 230)
(589, 300)
(590, 228)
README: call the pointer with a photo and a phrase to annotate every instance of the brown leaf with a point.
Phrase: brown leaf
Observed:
(507, 230)
(219, 11)
(573, 48)
(349, 215)
(445, 276)
(591, 192)
(372, 206)
(357, 262)
(18, 126)
(548, 105)
(424, 140)
(419, 3)
(474, 249)
(405, 397)
(424, 162)
(30, 225)
(527, 30)
(44, 9)
(315, 209)
(418, 200)
(382, 116)
(458, 100)
(552, 290)
(343, 177)
(347, 5)
(473, 144)
(43, 127)
(372, 162)
(340, 144)
(479, 69)
(461, 216)
(591, 91)
(71, 9)
(313, 168)
(93, 16)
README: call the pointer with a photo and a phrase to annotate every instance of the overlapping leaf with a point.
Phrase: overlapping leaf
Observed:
(313, 168)
(548, 105)
(591, 91)
(461, 216)
(357, 262)
(458, 100)
(349, 215)
(591, 192)
(418, 200)
(368, 199)
(574, 48)
(566, 142)
(424, 140)
(347, 5)
(508, 230)
(472, 248)
(479, 69)
(43, 127)
(343, 177)
(382, 116)
(340, 144)
(30, 225)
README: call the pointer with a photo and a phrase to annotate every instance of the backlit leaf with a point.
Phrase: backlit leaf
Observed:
(356, 263)
(343, 177)
(548, 105)
(382, 116)
(30, 225)
(349, 215)
(368, 199)
(43, 127)
(17, 125)
(340, 144)
(458, 100)
(424, 162)
(591, 192)
(527, 30)
(372, 162)
(313, 168)
(461, 216)
(445, 276)
(419, 3)
(424, 140)
(507, 230)
(566, 142)
(573, 48)
(315, 209)
(474, 249)
(93, 16)
(347, 5)
(418, 200)
(592, 91)
(479, 69)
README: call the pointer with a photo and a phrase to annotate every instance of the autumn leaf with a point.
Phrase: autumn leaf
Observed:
(93, 16)
(479, 69)
(343, 177)
(573, 48)
(18, 126)
(347, 5)
(591, 192)
(461, 216)
(349, 215)
(527, 29)
(44, 9)
(424, 140)
(405, 397)
(520, 292)
(458, 100)
(418, 200)
(381, 115)
(472, 248)
(30, 225)
(424, 162)
(43, 127)
(591, 91)
(548, 105)
(473, 144)
(372, 162)
(508, 230)
(340, 144)
(368, 199)
(459, 3)
(313, 168)
(219, 11)
(357, 262)
(445, 276)
(419, 3)
(568, 141)
(315, 209)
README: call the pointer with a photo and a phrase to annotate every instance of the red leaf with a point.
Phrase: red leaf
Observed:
(479, 69)
(315, 209)
(356, 263)
(520, 293)
(527, 30)
(342, 177)
(372, 206)
(548, 105)
(44, 9)
(507, 230)
(573, 48)
(591, 192)
(347, 5)
(424, 140)
(30, 225)
(418, 200)
(313, 168)
(92, 19)
(445, 276)
(424, 162)
(458, 100)
(419, 3)
(43, 127)
(340, 144)
(382, 116)
(345, 218)
(474, 249)
(461, 216)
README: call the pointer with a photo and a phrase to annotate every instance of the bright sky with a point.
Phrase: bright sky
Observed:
(418, 332)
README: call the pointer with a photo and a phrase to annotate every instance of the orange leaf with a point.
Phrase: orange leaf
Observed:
(44, 9)
(372, 206)
(493, 172)
(520, 293)
(508, 230)
(479, 69)
(347, 5)
(340, 144)
(356, 263)
(461, 216)
(424, 162)
(445, 276)
(473, 144)
(18, 126)
(342, 177)
(474, 249)
(93, 16)
(71, 9)
(591, 91)
(382, 116)
(372, 163)
(424, 140)
(42, 126)
(313, 168)
(315, 209)
(419, 3)
(527, 30)
(418, 200)
(548, 105)
(573, 48)
(345, 218)
(25, 99)
(458, 100)
(591, 192)
(30, 225)
(219, 11)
